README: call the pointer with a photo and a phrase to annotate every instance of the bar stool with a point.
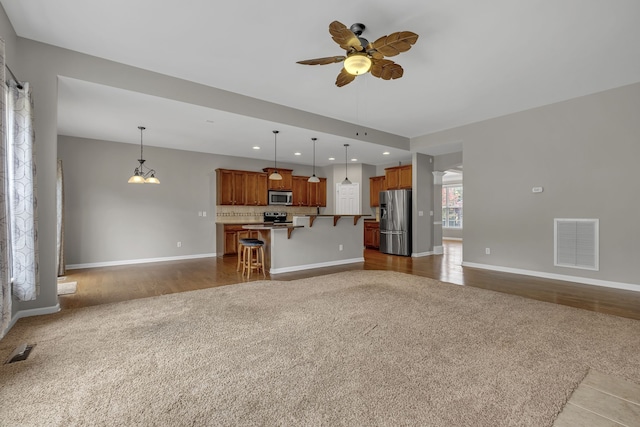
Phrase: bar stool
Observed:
(241, 243)
(253, 257)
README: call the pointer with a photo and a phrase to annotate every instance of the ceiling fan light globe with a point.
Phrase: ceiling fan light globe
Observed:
(357, 64)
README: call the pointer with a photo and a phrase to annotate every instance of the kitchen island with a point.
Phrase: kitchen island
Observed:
(311, 242)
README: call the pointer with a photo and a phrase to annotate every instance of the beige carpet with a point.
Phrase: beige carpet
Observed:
(355, 348)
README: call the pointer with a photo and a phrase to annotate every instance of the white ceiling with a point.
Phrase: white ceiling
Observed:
(474, 60)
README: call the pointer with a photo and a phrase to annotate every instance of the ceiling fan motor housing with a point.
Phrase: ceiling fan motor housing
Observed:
(358, 29)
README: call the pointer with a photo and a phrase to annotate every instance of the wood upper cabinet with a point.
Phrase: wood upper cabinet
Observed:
(318, 193)
(398, 177)
(256, 188)
(286, 183)
(230, 185)
(300, 190)
(376, 185)
(372, 234)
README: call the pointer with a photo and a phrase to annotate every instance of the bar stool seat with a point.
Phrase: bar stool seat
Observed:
(241, 243)
(253, 257)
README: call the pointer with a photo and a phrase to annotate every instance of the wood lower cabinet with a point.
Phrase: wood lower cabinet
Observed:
(372, 234)
(286, 183)
(398, 177)
(376, 185)
(232, 235)
(318, 193)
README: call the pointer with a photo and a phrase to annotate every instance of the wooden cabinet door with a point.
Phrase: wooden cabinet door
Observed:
(392, 178)
(300, 190)
(239, 183)
(230, 242)
(376, 185)
(372, 234)
(255, 189)
(404, 176)
(318, 193)
(224, 187)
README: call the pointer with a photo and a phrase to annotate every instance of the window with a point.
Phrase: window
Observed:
(452, 206)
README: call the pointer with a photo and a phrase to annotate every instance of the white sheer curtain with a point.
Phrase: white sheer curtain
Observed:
(5, 259)
(22, 190)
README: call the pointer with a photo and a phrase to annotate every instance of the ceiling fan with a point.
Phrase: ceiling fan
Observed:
(362, 56)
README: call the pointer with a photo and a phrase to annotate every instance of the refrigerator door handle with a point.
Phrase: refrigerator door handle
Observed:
(391, 232)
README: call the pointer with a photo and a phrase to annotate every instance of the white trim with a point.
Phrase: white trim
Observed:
(32, 312)
(554, 276)
(438, 250)
(318, 265)
(421, 254)
(459, 239)
(437, 222)
(137, 261)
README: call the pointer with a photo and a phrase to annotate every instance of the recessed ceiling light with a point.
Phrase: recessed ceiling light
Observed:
(256, 148)
(332, 158)
(386, 153)
(297, 154)
(354, 160)
(209, 121)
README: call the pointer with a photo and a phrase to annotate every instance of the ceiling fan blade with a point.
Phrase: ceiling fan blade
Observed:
(344, 36)
(395, 43)
(344, 78)
(322, 61)
(386, 70)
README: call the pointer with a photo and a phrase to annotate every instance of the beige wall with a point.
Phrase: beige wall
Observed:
(585, 154)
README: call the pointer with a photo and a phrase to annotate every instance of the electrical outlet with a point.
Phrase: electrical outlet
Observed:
(487, 251)
(340, 247)
(204, 213)
(199, 213)
(179, 244)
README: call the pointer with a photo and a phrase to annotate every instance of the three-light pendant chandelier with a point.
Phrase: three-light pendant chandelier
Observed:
(140, 176)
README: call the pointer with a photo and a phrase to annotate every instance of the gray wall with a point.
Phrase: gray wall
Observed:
(422, 196)
(109, 220)
(585, 154)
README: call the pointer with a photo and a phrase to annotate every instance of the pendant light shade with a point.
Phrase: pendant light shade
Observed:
(275, 176)
(346, 179)
(313, 178)
(139, 175)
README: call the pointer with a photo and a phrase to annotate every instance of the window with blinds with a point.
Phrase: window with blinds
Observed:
(576, 243)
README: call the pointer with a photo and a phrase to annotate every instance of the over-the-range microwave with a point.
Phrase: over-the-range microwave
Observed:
(280, 198)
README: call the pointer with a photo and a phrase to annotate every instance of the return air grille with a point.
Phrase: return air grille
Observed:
(576, 243)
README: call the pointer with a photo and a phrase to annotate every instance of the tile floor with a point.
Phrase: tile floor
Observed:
(602, 400)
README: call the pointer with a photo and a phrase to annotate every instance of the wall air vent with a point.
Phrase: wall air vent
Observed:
(576, 243)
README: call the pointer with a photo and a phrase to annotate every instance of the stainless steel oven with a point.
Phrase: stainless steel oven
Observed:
(280, 198)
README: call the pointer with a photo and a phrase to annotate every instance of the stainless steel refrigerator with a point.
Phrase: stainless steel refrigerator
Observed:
(395, 222)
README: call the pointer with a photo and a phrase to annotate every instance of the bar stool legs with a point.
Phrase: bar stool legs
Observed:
(253, 258)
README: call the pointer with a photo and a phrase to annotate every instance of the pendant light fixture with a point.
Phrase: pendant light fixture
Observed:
(346, 179)
(313, 178)
(139, 175)
(275, 176)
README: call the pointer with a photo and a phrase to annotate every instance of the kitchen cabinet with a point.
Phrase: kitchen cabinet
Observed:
(286, 183)
(256, 188)
(230, 187)
(372, 234)
(376, 185)
(232, 234)
(318, 193)
(300, 190)
(398, 177)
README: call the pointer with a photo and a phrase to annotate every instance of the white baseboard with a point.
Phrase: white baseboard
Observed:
(554, 276)
(438, 250)
(421, 254)
(317, 265)
(136, 261)
(32, 312)
(458, 239)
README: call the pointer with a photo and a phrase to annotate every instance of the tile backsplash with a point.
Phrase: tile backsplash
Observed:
(241, 214)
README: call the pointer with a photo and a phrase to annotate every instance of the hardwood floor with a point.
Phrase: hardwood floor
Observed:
(113, 284)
